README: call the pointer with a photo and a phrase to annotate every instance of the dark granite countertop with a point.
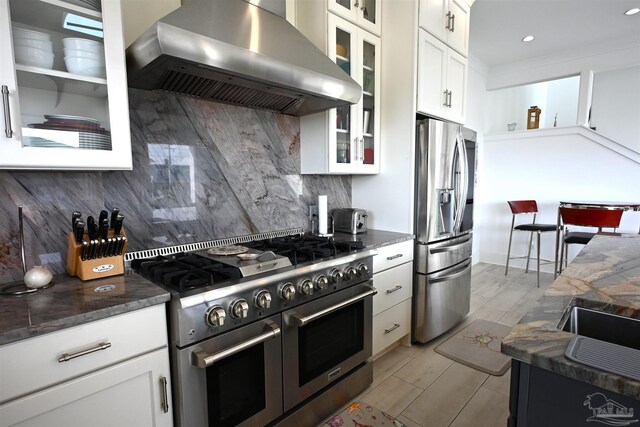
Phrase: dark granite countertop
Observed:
(375, 238)
(70, 302)
(605, 276)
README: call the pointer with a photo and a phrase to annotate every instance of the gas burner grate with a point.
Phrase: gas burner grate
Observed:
(182, 271)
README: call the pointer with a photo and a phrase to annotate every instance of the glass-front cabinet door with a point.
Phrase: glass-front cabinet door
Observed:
(364, 13)
(64, 85)
(354, 129)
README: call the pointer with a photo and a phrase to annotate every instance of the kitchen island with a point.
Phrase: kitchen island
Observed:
(548, 389)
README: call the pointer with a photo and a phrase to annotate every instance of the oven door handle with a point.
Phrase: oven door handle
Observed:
(301, 321)
(202, 359)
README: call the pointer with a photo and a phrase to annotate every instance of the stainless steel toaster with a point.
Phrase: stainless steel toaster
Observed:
(350, 220)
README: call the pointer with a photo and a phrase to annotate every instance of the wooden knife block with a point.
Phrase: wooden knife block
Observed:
(98, 268)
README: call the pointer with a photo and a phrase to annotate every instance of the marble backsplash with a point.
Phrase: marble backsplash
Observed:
(201, 171)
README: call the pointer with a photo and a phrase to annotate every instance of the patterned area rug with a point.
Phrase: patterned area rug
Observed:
(478, 346)
(361, 414)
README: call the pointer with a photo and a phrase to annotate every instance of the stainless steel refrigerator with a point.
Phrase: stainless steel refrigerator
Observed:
(445, 165)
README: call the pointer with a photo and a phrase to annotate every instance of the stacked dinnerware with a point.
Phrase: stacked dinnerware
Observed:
(84, 57)
(33, 48)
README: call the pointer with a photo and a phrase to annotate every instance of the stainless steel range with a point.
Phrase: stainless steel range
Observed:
(265, 330)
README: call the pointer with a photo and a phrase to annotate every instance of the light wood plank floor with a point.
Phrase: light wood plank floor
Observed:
(425, 389)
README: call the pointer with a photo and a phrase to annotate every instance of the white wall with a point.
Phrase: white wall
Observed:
(138, 15)
(548, 166)
(476, 118)
(615, 108)
(511, 104)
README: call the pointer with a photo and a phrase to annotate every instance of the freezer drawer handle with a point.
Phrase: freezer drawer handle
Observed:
(397, 288)
(449, 248)
(301, 321)
(202, 359)
(455, 275)
(392, 257)
(393, 328)
(68, 356)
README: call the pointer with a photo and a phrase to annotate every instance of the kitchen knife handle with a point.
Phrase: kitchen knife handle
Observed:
(104, 228)
(91, 224)
(74, 217)
(103, 215)
(79, 231)
(114, 215)
(117, 226)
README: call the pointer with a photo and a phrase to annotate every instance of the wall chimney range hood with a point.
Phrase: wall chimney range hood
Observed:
(235, 52)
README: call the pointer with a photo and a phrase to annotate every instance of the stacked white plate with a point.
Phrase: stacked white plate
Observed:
(33, 48)
(84, 57)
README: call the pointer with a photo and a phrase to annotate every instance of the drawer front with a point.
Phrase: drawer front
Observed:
(394, 286)
(392, 255)
(34, 364)
(391, 325)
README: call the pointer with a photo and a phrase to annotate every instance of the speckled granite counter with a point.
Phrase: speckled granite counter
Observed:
(70, 302)
(605, 276)
(375, 238)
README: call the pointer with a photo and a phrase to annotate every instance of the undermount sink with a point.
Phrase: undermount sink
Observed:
(604, 341)
(602, 326)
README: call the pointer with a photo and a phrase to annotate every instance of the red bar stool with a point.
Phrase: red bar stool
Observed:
(527, 207)
(585, 217)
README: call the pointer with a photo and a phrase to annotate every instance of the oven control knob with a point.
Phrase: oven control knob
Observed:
(321, 282)
(262, 299)
(350, 273)
(215, 316)
(239, 308)
(306, 287)
(287, 291)
(335, 275)
(363, 270)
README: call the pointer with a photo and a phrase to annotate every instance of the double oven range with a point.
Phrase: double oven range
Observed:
(277, 335)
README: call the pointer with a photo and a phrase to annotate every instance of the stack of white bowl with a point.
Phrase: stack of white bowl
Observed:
(84, 57)
(33, 48)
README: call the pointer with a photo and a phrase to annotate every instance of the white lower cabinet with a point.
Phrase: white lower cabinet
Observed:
(58, 389)
(393, 278)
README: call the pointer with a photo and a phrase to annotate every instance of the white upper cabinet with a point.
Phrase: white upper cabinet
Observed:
(364, 13)
(448, 20)
(442, 80)
(64, 106)
(343, 140)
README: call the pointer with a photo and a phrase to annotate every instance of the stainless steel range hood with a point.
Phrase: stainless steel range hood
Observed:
(235, 52)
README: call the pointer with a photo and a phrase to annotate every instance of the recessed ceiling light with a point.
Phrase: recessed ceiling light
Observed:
(632, 11)
(528, 38)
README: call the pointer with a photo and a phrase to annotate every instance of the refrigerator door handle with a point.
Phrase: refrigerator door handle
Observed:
(445, 275)
(462, 183)
(451, 248)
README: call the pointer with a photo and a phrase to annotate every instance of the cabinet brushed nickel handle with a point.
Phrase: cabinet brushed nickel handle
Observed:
(164, 400)
(397, 288)
(7, 112)
(392, 257)
(453, 22)
(362, 149)
(448, 26)
(393, 328)
(450, 97)
(446, 97)
(68, 356)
